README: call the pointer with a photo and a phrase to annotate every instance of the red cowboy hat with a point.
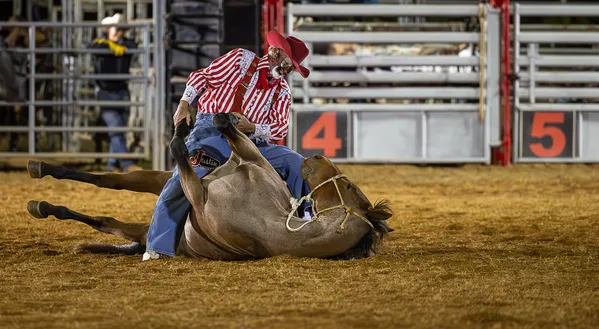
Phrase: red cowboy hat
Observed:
(293, 47)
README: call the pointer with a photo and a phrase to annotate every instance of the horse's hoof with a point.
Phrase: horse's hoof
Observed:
(34, 168)
(221, 120)
(36, 208)
(182, 130)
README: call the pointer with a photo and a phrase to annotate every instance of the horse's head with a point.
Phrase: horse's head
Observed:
(331, 190)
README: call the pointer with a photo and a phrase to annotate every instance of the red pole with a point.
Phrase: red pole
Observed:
(507, 111)
(503, 154)
(273, 19)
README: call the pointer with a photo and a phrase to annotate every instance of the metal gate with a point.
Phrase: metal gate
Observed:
(460, 123)
(556, 97)
(73, 98)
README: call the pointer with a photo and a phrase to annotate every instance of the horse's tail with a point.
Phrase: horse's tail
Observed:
(105, 248)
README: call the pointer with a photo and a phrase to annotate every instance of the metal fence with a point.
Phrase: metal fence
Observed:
(556, 100)
(74, 96)
(460, 127)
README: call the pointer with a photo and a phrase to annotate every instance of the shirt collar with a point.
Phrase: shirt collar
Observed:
(263, 63)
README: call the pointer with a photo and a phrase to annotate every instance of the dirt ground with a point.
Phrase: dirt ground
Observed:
(474, 247)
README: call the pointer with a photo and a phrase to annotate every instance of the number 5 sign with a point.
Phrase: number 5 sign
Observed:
(547, 134)
(322, 133)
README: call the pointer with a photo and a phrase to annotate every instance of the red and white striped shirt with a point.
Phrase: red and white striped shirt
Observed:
(221, 78)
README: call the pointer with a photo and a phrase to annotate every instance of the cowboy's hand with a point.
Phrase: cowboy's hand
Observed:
(118, 50)
(244, 125)
(183, 113)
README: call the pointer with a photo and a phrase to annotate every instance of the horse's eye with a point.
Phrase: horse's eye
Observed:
(349, 186)
(318, 157)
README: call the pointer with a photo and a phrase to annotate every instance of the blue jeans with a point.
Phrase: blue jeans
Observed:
(209, 149)
(116, 117)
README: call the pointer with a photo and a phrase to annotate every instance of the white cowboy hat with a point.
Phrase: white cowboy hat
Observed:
(115, 19)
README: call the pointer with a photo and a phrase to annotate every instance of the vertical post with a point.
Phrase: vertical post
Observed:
(130, 10)
(306, 82)
(580, 135)
(16, 7)
(424, 137)
(532, 54)
(158, 159)
(147, 108)
(355, 127)
(29, 11)
(32, 90)
(290, 18)
(516, 130)
(507, 142)
(280, 16)
(65, 88)
(291, 138)
(493, 104)
(100, 9)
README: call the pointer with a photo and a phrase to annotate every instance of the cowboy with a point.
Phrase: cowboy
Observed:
(119, 62)
(253, 89)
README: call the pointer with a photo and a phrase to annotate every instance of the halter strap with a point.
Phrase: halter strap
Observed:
(348, 210)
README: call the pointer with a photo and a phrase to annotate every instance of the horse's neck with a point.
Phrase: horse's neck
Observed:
(321, 239)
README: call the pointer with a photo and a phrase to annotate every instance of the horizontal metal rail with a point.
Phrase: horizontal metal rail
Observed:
(42, 76)
(392, 77)
(398, 92)
(559, 37)
(385, 60)
(561, 61)
(383, 10)
(58, 155)
(79, 103)
(388, 107)
(555, 92)
(558, 10)
(563, 77)
(70, 129)
(73, 24)
(389, 37)
(72, 50)
(559, 107)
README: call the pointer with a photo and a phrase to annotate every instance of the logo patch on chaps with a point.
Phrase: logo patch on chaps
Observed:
(200, 158)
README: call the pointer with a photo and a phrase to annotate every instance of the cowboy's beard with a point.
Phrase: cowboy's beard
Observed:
(275, 72)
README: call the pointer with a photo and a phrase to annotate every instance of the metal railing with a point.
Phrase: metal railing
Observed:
(73, 72)
(425, 115)
(556, 99)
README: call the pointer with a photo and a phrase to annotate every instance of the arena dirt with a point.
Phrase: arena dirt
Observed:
(474, 247)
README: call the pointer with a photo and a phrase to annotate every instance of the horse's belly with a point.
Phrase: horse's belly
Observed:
(239, 206)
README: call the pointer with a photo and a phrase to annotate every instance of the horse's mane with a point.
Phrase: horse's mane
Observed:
(367, 246)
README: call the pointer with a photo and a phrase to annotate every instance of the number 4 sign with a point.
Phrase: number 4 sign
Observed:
(547, 134)
(322, 133)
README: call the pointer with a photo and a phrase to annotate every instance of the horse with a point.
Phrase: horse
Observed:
(242, 210)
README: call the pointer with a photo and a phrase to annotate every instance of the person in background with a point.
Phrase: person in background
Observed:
(119, 62)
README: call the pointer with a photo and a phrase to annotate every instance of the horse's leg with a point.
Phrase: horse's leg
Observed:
(190, 182)
(131, 231)
(136, 232)
(241, 145)
(149, 181)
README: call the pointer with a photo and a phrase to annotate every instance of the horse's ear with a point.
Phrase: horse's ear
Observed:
(378, 213)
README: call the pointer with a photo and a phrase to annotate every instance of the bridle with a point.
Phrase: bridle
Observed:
(348, 210)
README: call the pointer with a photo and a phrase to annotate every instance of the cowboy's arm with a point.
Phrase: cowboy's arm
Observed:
(278, 125)
(212, 76)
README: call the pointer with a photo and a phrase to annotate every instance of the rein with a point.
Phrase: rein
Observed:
(348, 210)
